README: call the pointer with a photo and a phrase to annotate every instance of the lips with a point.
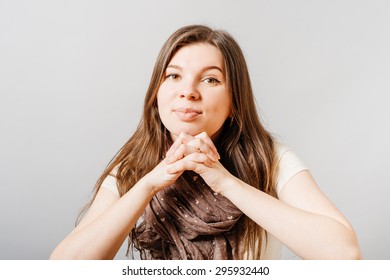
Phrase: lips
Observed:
(187, 114)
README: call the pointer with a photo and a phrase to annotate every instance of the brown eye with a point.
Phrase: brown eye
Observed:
(172, 76)
(211, 81)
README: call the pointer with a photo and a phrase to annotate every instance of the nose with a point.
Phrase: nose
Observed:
(189, 91)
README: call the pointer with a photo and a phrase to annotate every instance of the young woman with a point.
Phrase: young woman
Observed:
(201, 178)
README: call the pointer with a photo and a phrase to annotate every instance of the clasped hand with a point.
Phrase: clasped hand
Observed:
(196, 153)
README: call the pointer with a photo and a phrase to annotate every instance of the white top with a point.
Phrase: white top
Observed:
(288, 164)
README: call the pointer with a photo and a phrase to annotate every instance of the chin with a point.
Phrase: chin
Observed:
(191, 131)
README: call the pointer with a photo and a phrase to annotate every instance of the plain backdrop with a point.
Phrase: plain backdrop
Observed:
(73, 75)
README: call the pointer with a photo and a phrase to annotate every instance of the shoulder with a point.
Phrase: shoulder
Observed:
(110, 182)
(288, 164)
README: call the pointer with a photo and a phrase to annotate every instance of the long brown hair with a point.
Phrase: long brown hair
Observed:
(246, 148)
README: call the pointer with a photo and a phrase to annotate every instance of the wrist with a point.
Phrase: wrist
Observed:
(229, 185)
(148, 186)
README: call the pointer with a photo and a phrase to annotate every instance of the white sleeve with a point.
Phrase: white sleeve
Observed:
(109, 182)
(288, 165)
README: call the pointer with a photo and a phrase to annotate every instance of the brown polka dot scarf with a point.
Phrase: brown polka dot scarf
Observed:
(189, 221)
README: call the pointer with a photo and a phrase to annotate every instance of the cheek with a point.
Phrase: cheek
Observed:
(220, 106)
(159, 101)
(163, 102)
(164, 95)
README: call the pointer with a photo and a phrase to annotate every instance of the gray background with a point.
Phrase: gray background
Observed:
(73, 76)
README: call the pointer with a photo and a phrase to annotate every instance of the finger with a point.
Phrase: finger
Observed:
(181, 152)
(201, 146)
(204, 136)
(199, 157)
(184, 165)
(183, 138)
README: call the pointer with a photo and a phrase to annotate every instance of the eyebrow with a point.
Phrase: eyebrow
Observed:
(203, 69)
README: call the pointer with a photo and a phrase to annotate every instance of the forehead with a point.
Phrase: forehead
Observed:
(198, 56)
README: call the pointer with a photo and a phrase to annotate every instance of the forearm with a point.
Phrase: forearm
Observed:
(102, 237)
(309, 235)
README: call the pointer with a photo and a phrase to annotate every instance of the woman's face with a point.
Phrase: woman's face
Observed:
(193, 96)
